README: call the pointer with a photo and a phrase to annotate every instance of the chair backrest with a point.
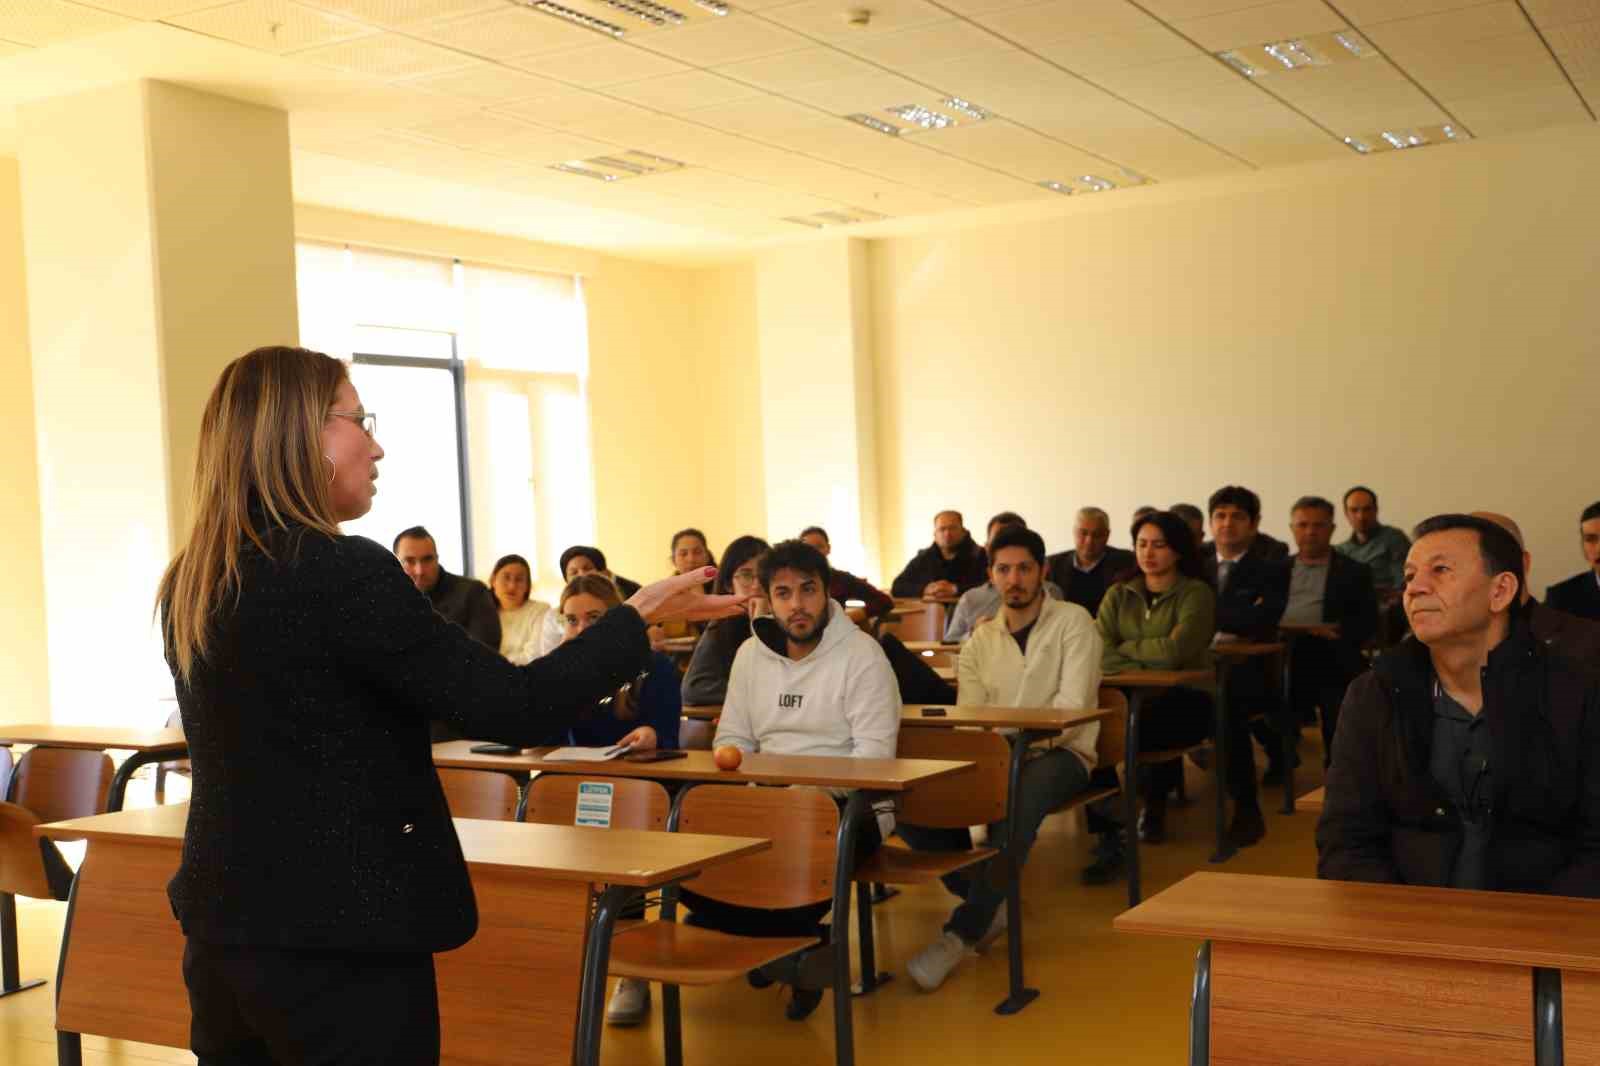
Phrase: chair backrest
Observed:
(5, 773)
(1112, 742)
(958, 800)
(635, 802)
(924, 624)
(175, 720)
(487, 794)
(22, 872)
(803, 825)
(61, 783)
(695, 734)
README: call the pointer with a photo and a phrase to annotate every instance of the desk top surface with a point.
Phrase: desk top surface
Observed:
(1040, 718)
(705, 712)
(1439, 923)
(95, 737)
(828, 771)
(679, 645)
(1311, 801)
(1158, 678)
(561, 852)
(1246, 649)
(938, 647)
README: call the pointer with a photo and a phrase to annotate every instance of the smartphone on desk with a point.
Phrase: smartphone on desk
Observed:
(655, 755)
(495, 749)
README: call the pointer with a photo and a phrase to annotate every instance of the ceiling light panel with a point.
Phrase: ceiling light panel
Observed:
(844, 216)
(44, 22)
(1401, 138)
(617, 166)
(1280, 21)
(1299, 53)
(276, 26)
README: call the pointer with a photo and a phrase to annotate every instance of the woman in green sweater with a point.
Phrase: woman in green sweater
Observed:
(1163, 619)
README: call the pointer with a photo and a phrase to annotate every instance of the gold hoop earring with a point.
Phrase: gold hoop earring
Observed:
(333, 468)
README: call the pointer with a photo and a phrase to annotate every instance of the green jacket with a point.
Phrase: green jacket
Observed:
(1174, 633)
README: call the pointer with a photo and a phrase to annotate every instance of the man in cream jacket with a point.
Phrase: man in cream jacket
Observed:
(1038, 652)
(807, 682)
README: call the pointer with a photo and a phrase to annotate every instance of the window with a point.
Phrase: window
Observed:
(478, 375)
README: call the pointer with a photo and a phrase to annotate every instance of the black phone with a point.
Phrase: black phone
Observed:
(655, 755)
(933, 712)
(495, 749)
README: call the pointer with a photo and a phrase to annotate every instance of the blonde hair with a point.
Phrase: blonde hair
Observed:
(625, 702)
(259, 467)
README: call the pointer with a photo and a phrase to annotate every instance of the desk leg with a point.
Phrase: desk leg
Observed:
(1219, 767)
(871, 976)
(10, 979)
(1200, 1009)
(596, 961)
(119, 783)
(69, 1046)
(857, 807)
(1020, 995)
(1291, 728)
(1549, 1040)
(1130, 793)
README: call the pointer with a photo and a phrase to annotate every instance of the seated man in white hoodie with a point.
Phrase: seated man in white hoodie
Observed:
(1038, 652)
(810, 683)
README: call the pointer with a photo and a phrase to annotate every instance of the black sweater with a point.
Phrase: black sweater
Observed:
(317, 820)
(967, 569)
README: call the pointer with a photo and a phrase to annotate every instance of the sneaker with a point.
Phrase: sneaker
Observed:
(1248, 827)
(629, 1003)
(930, 966)
(1152, 827)
(802, 1003)
(997, 928)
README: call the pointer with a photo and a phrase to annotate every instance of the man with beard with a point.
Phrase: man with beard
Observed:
(811, 683)
(1038, 652)
(1465, 758)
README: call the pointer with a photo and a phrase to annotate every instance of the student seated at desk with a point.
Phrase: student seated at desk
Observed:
(949, 566)
(1038, 652)
(811, 683)
(521, 616)
(1092, 566)
(1467, 757)
(978, 605)
(575, 561)
(689, 552)
(706, 681)
(845, 586)
(1164, 619)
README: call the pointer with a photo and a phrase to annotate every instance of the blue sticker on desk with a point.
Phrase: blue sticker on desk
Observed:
(594, 804)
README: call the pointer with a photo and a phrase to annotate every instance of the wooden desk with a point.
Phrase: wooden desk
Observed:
(863, 780)
(947, 673)
(1026, 719)
(147, 746)
(121, 952)
(1300, 972)
(1311, 801)
(943, 601)
(1138, 684)
(706, 713)
(932, 647)
(679, 645)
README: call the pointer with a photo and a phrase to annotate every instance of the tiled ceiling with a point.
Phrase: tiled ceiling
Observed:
(757, 102)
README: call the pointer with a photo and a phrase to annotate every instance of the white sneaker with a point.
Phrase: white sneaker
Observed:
(629, 1003)
(930, 966)
(996, 930)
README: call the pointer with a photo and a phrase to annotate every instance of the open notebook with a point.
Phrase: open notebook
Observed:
(587, 754)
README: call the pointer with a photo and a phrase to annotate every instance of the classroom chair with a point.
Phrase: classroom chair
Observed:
(486, 794)
(635, 802)
(172, 766)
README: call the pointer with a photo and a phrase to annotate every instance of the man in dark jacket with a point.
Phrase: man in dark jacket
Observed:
(1565, 634)
(462, 600)
(949, 566)
(1092, 566)
(1580, 595)
(844, 586)
(1464, 758)
(1334, 595)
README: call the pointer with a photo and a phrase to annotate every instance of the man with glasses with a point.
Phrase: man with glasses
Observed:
(1464, 758)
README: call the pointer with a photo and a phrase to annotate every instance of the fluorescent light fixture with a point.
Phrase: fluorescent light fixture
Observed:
(841, 217)
(1134, 177)
(802, 221)
(618, 167)
(582, 169)
(918, 115)
(1293, 55)
(1359, 145)
(1452, 133)
(651, 12)
(1403, 138)
(1239, 63)
(1400, 139)
(716, 7)
(1057, 186)
(874, 123)
(1096, 183)
(1354, 43)
(588, 22)
(964, 108)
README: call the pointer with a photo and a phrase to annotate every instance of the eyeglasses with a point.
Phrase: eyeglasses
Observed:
(367, 420)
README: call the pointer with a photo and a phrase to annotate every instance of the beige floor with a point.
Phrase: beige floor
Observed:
(1106, 997)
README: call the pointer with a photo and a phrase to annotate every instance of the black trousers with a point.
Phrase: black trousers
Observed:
(268, 1007)
(1178, 718)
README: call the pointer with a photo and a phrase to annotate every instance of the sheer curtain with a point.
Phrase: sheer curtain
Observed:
(522, 338)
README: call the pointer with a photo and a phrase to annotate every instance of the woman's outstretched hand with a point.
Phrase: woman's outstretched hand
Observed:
(680, 599)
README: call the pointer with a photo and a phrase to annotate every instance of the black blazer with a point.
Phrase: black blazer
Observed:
(1578, 595)
(1118, 564)
(317, 820)
(1257, 591)
(1351, 602)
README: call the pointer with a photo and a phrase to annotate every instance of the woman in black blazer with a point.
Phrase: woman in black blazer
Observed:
(320, 868)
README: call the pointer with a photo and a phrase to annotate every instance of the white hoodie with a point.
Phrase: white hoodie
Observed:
(841, 699)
